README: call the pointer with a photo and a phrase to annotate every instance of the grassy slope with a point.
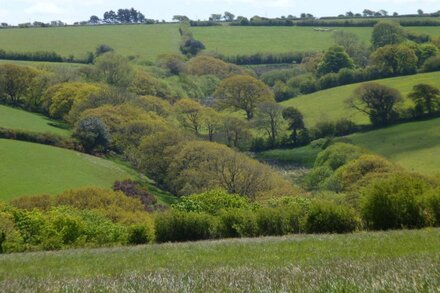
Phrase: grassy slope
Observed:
(147, 41)
(415, 146)
(231, 40)
(30, 169)
(382, 261)
(18, 119)
(329, 104)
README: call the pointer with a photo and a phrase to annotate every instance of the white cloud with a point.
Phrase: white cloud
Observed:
(44, 8)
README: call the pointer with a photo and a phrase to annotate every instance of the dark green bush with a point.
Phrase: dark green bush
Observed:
(177, 226)
(432, 205)
(327, 217)
(278, 221)
(394, 202)
(140, 234)
(237, 223)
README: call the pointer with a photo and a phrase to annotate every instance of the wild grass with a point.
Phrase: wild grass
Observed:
(146, 41)
(330, 104)
(14, 118)
(33, 169)
(399, 261)
(236, 40)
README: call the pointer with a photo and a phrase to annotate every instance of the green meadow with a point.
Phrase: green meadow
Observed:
(145, 41)
(14, 118)
(233, 40)
(415, 146)
(330, 104)
(398, 261)
(33, 169)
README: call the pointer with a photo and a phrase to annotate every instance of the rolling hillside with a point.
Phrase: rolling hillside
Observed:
(415, 146)
(22, 120)
(330, 104)
(32, 169)
(146, 41)
(233, 40)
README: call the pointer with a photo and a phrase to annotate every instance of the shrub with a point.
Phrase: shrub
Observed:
(212, 202)
(359, 172)
(134, 189)
(41, 202)
(432, 204)
(394, 202)
(338, 155)
(279, 221)
(237, 223)
(141, 234)
(432, 64)
(317, 175)
(177, 226)
(326, 217)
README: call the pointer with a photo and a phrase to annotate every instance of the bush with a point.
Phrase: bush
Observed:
(93, 134)
(394, 202)
(359, 172)
(212, 202)
(237, 223)
(330, 218)
(279, 221)
(316, 176)
(141, 234)
(432, 204)
(134, 189)
(338, 155)
(177, 226)
(432, 64)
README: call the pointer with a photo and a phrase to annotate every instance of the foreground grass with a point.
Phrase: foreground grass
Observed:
(383, 261)
(233, 40)
(330, 104)
(146, 41)
(31, 169)
(21, 120)
(414, 145)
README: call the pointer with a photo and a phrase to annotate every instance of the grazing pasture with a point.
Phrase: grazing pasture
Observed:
(330, 104)
(413, 145)
(14, 118)
(145, 41)
(33, 169)
(399, 261)
(236, 40)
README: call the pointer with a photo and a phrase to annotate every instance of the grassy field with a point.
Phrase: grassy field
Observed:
(399, 261)
(18, 119)
(32, 169)
(330, 104)
(146, 41)
(232, 40)
(415, 146)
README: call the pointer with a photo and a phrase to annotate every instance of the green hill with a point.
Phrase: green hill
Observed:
(32, 169)
(233, 40)
(330, 104)
(146, 41)
(395, 261)
(22, 120)
(415, 146)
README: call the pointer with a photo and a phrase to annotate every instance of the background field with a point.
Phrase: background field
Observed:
(330, 104)
(233, 40)
(415, 146)
(18, 119)
(147, 41)
(32, 169)
(403, 261)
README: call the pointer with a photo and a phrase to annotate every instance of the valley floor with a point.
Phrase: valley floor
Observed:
(382, 261)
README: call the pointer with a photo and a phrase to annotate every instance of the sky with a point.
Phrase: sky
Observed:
(19, 11)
